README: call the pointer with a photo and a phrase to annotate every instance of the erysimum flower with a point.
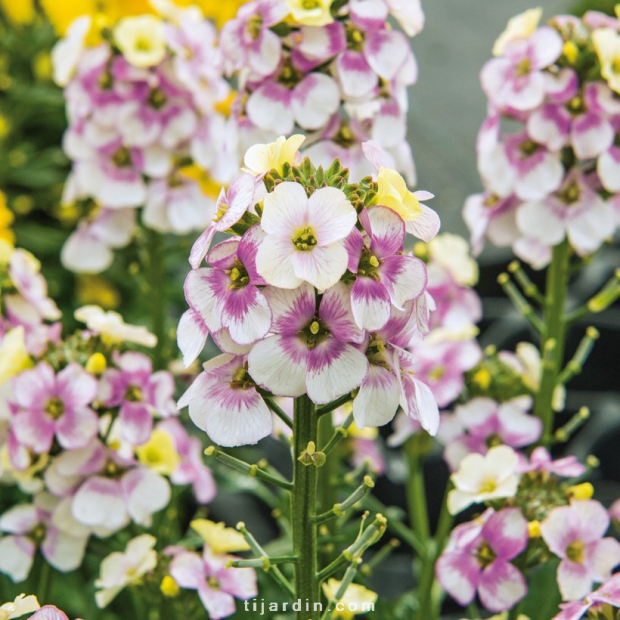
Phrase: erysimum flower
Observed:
(607, 45)
(520, 26)
(110, 325)
(312, 348)
(262, 158)
(575, 534)
(218, 537)
(141, 39)
(304, 241)
(49, 404)
(384, 275)
(21, 605)
(356, 599)
(217, 586)
(312, 13)
(223, 401)
(140, 393)
(120, 569)
(481, 478)
(478, 559)
(607, 594)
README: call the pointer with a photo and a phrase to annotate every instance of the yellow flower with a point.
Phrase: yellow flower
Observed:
(394, 194)
(520, 26)
(6, 219)
(452, 253)
(141, 39)
(159, 453)
(581, 492)
(13, 354)
(207, 184)
(62, 12)
(220, 538)
(311, 12)
(264, 157)
(96, 364)
(19, 12)
(607, 46)
(94, 289)
(20, 606)
(219, 12)
(169, 587)
(355, 601)
(6, 251)
(42, 66)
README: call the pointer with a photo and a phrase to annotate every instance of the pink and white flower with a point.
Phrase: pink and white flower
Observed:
(224, 402)
(486, 423)
(575, 211)
(49, 405)
(139, 393)
(226, 295)
(478, 559)
(516, 79)
(384, 275)
(304, 236)
(575, 534)
(313, 349)
(217, 586)
(607, 594)
(540, 460)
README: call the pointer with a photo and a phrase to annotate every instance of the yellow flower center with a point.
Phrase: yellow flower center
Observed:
(575, 552)
(133, 393)
(254, 26)
(488, 486)
(310, 5)
(54, 408)
(213, 583)
(122, 158)
(437, 373)
(305, 239)
(523, 68)
(485, 555)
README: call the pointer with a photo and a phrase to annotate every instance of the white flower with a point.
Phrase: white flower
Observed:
(311, 12)
(482, 478)
(67, 53)
(21, 605)
(122, 569)
(452, 253)
(142, 40)
(112, 326)
(520, 26)
(607, 45)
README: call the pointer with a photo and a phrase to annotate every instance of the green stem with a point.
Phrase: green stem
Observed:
(303, 508)
(155, 275)
(416, 492)
(44, 582)
(553, 336)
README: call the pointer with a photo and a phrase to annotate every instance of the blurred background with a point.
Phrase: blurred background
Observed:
(447, 106)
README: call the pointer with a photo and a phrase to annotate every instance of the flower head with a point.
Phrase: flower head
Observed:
(21, 605)
(607, 45)
(111, 325)
(121, 569)
(141, 39)
(520, 26)
(482, 478)
(356, 599)
(221, 539)
(311, 12)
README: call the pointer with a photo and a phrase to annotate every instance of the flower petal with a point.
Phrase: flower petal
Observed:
(501, 586)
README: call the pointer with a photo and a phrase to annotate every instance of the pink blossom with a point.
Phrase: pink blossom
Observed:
(540, 460)
(478, 559)
(48, 404)
(607, 594)
(227, 294)
(516, 80)
(224, 402)
(575, 534)
(575, 211)
(486, 423)
(140, 393)
(216, 585)
(384, 275)
(312, 349)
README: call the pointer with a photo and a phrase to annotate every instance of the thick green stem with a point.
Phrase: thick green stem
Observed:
(155, 275)
(304, 499)
(416, 492)
(553, 336)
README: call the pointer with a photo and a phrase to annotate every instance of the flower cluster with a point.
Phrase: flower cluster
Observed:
(144, 128)
(336, 71)
(87, 433)
(533, 516)
(445, 348)
(555, 176)
(313, 295)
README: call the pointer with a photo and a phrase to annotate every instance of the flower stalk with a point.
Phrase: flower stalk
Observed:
(303, 505)
(554, 331)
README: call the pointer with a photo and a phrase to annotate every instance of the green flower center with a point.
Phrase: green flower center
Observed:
(133, 393)
(369, 265)
(485, 555)
(254, 26)
(122, 158)
(575, 552)
(305, 240)
(239, 277)
(54, 408)
(523, 68)
(157, 99)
